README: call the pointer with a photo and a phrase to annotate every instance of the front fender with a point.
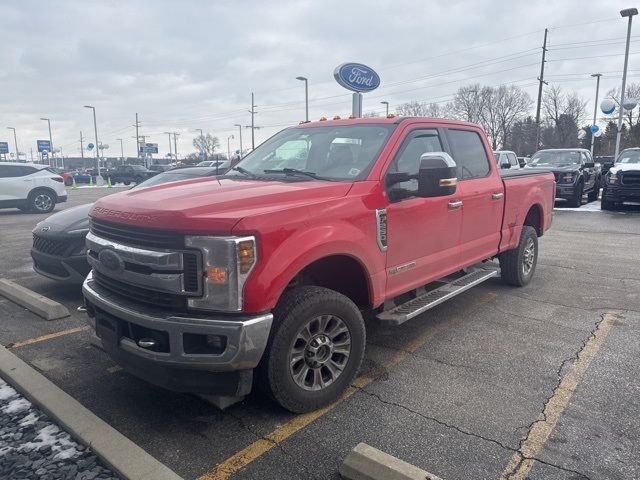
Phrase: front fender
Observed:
(282, 261)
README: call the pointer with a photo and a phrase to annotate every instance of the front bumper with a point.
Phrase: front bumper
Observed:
(565, 191)
(621, 193)
(120, 323)
(72, 269)
(62, 198)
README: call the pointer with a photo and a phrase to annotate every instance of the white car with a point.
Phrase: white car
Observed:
(30, 187)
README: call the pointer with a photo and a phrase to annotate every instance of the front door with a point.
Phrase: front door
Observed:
(482, 193)
(422, 233)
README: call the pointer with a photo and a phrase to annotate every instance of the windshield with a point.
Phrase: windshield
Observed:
(173, 176)
(341, 153)
(555, 157)
(631, 156)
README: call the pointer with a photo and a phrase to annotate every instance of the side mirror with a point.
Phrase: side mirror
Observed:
(504, 165)
(437, 176)
(589, 164)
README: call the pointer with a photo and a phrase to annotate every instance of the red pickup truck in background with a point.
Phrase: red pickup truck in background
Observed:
(197, 284)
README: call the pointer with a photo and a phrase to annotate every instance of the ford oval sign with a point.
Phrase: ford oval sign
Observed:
(356, 77)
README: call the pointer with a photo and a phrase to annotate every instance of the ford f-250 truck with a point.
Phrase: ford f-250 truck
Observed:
(198, 284)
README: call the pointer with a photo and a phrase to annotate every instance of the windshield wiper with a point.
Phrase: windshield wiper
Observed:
(244, 171)
(295, 171)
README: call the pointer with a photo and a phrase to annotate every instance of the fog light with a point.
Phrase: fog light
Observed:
(217, 275)
(215, 341)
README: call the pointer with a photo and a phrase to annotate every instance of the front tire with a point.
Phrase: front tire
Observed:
(519, 264)
(315, 350)
(593, 194)
(41, 201)
(606, 204)
(576, 200)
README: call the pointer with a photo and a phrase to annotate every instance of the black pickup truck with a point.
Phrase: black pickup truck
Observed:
(128, 174)
(575, 173)
(622, 181)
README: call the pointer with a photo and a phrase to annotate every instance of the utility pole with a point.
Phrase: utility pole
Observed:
(137, 137)
(15, 141)
(252, 112)
(175, 145)
(541, 80)
(81, 147)
(170, 153)
(240, 133)
(595, 109)
(121, 150)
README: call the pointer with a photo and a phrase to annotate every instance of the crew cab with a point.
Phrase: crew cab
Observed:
(575, 172)
(128, 174)
(198, 284)
(622, 181)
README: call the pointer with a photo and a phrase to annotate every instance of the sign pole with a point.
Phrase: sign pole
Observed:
(356, 108)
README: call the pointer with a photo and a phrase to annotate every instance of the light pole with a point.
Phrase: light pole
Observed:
(628, 12)
(229, 147)
(95, 129)
(386, 104)
(170, 151)
(121, 150)
(306, 97)
(50, 139)
(595, 108)
(239, 133)
(15, 141)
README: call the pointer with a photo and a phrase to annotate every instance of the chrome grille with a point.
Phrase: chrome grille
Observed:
(139, 294)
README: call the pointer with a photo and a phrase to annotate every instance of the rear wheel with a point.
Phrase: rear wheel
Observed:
(518, 265)
(315, 350)
(127, 182)
(576, 200)
(41, 201)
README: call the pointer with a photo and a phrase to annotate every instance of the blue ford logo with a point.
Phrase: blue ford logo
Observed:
(356, 77)
(111, 260)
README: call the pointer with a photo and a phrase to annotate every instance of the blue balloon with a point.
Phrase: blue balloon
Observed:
(594, 129)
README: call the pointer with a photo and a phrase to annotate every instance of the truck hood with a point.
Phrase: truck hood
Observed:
(625, 167)
(210, 206)
(556, 168)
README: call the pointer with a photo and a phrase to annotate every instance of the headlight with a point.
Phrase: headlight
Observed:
(567, 177)
(226, 264)
(613, 178)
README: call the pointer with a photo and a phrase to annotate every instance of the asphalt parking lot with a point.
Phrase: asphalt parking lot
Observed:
(539, 382)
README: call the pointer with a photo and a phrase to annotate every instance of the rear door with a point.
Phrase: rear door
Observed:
(423, 233)
(482, 193)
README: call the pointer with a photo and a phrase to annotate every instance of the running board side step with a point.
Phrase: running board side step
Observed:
(418, 305)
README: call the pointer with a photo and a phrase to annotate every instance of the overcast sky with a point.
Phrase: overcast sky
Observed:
(184, 65)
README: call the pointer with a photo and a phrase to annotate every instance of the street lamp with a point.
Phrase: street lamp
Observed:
(50, 139)
(240, 133)
(627, 12)
(385, 103)
(306, 97)
(95, 129)
(15, 140)
(595, 109)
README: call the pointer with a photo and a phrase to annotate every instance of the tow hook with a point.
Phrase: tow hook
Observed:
(146, 343)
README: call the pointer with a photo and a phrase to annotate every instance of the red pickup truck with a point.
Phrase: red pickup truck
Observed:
(268, 268)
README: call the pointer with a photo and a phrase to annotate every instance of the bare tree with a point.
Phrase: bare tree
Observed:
(632, 117)
(513, 104)
(469, 102)
(412, 109)
(556, 103)
(206, 143)
(370, 114)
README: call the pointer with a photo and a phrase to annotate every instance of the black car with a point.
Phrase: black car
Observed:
(128, 174)
(575, 173)
(159, 168)
(58, 250)
(622, 181)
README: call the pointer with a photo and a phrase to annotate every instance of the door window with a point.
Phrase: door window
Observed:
(513, 160)
(469, 154)
(408, 158)
(9, 171)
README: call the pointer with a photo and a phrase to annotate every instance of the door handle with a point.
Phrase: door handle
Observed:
(497, 196)
(453, 205)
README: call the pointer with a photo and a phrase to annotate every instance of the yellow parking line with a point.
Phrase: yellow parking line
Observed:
(521, 462)
(254, 451)
(48, 336)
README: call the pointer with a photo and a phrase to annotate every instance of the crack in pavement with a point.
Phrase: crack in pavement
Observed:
(543, 416)
(278, 445)
(462, 431)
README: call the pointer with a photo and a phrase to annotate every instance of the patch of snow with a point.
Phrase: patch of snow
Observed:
(30, 419)
(16, 406)
(6, 391)
(60, 442)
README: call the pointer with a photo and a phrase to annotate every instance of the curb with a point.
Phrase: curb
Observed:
(34, 302)
(118, 452)
(367, 463)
